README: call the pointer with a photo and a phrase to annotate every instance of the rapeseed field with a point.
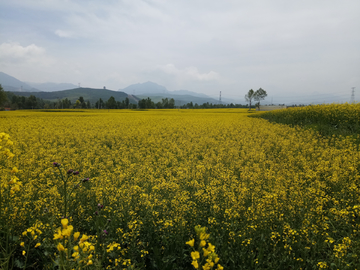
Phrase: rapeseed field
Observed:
(175, 189)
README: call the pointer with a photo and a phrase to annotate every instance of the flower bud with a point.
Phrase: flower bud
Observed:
(75, 173)
(56, 164)
(70, 171)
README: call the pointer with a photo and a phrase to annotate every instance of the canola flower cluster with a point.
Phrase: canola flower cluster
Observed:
(271, 196)
(82, 253)
(205, 250)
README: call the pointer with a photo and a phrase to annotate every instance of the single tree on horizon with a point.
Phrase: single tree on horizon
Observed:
(249, 97)
(260, 94)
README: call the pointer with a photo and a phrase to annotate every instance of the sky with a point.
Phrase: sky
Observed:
(289, 48)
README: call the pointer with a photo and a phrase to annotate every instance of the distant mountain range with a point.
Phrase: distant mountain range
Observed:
(157, 92)
(153, 90)
(51, 87)
(135, 92)
(10, 83)
(156, 89)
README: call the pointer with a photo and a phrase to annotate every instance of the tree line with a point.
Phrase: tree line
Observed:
(13, 101)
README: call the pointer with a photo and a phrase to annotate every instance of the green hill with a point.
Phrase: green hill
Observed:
(89, 94)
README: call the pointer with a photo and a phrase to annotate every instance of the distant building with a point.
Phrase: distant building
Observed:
(104, 87)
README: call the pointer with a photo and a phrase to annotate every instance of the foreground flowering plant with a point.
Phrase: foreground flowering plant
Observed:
(72, 250)
(203, 251)
(66, 190)
(9, 188)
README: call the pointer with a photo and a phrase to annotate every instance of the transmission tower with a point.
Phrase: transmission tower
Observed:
(220, 98)
(352, 100)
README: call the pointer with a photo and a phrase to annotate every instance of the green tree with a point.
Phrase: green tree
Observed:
(66, 103)
(77, 104)
(111, 103)
(249, 97)
(171, 103)
(142, 104)
(165, 103)
(146, 104)
(150, 104)
(3, 96)
(260, 94)
(31, 102)
(159, 105)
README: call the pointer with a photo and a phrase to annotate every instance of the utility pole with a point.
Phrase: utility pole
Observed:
(352, 100)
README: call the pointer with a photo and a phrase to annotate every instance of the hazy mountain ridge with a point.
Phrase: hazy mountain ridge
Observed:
(51, 87)
(10, 83)
(89, 94)
(48, 91)
(154, 89)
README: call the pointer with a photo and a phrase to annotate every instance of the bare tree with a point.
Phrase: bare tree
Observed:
(249, 97)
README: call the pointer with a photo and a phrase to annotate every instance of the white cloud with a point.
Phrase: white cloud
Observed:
(14, 52)
(189, 73)
(64, 34)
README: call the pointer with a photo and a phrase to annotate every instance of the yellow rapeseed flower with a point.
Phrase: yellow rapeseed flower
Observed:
(206, 252)
(195, 255)
(14, 170)
(65, 222)
(60, 247)
(83, 238)
(195, 264)
(76, 236)
(211, 248)
(191, 242)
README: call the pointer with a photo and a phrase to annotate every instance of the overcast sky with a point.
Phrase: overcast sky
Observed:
(289, 48)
